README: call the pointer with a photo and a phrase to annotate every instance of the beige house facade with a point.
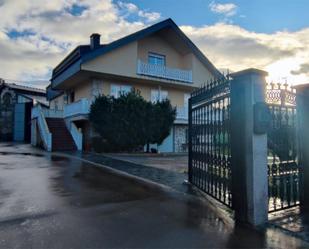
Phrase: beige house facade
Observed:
(159, 61)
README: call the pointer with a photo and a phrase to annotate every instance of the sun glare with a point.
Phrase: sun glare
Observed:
(280, 72)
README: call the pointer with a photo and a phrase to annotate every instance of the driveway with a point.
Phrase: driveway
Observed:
(172, 162)
(47, 201)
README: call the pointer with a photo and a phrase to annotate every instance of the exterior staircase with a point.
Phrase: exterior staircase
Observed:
(61, 137)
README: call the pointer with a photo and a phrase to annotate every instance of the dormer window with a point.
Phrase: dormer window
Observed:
(156, 59)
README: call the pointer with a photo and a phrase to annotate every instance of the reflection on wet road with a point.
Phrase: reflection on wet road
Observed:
(54, 202)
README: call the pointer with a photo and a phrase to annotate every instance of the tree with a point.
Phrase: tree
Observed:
(161, 118)
(129, 122)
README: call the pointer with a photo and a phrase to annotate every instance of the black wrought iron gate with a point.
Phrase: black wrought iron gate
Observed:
(284, 171)
(210, 144)
(209, 140)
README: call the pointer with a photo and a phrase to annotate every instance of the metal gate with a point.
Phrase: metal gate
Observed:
(284, 171)
(209, 140)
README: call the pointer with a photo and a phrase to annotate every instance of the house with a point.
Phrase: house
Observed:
(16, 102)
(160, 61)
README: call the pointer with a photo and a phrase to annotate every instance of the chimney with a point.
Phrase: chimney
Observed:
(95, 41)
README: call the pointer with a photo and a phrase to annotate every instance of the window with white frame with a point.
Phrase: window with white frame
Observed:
(186, 99)
(117, 90)
(156, 59)
(96, 89)
(158, 95)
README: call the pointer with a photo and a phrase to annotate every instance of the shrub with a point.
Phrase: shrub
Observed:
(129, 122)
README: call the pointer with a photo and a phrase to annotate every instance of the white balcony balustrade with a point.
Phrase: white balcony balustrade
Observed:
(81, 107)
(164, 72)
(52, 113)
(182, 113)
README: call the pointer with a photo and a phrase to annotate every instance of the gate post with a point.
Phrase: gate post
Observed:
(248, 149)
(190, 141)
(302, 109)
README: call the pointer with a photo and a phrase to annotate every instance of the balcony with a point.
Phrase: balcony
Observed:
(182, 113)
(81, 107)
(47, 113)
(164, 72)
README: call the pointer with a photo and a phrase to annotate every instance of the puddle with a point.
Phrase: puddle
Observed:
(20, 153)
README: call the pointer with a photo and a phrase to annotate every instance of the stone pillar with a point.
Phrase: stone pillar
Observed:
(302, 101)
(248, 149)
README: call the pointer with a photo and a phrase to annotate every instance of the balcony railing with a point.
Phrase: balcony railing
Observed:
(81, 107)
(182, 113)
(52, 113)
(164, 72)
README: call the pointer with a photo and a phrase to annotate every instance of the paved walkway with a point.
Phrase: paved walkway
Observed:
(167, 161)
(168, 178)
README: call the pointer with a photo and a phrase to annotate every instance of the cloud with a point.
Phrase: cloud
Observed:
(227, 9)
(150, 16)
(36, 36)
(131, 8)
(233, 47)
(303, 69)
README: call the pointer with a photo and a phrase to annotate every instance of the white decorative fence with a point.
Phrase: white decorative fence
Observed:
(182, 113)
(164, 72)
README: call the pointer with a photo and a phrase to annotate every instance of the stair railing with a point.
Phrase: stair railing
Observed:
(43, 127)
(77, 135)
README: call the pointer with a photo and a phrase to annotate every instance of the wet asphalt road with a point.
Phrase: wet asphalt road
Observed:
(54, 202)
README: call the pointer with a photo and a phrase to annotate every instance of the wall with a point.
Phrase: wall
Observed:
(167, 145)
(200, 73)
(85, 90)
(156, 44)
(19, 122)
(121, 61)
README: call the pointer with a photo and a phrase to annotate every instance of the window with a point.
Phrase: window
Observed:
(72, 97)
(186, 99)
(96, 89)
(117, 90)
(156, 59)
(158, 95)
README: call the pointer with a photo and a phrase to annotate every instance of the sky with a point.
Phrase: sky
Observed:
(273, 35)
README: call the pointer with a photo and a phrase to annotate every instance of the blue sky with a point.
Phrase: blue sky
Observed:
(271, 35)
(254, 15)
